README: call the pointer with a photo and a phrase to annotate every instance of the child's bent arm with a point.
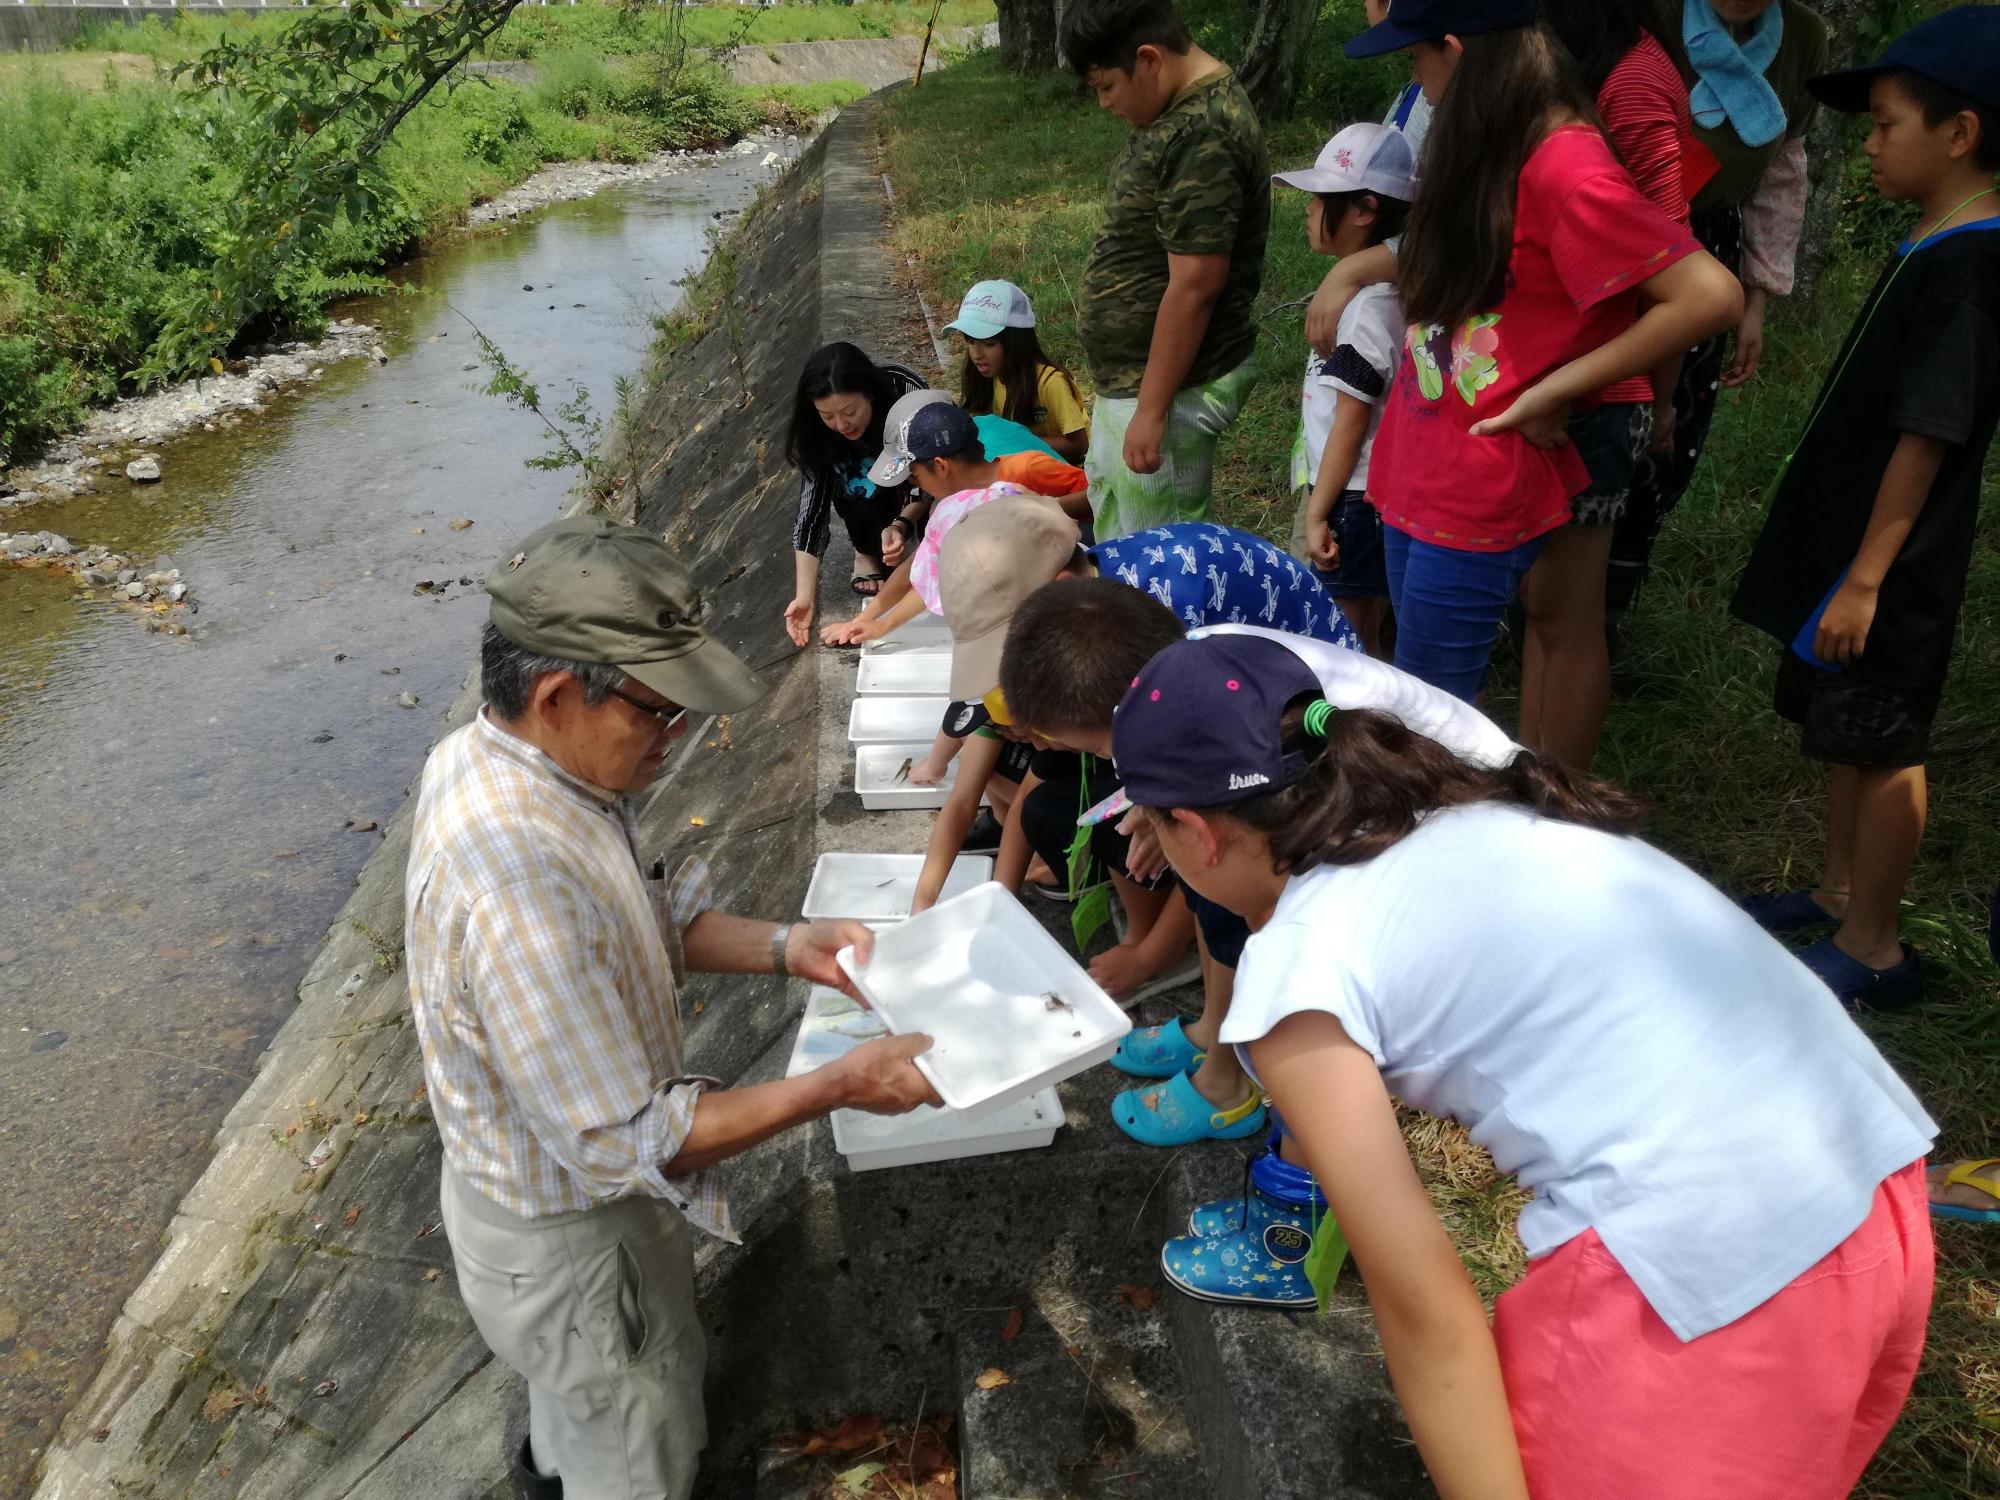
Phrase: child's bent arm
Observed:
(948, 829)
(1906, 485)
(1337, 288)
(1691, 299)
(1010, 865)
(1435, 1337)
(1194, 283)
(1342, 453)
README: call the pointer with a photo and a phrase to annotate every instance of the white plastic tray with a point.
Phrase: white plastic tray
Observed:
(832, 1026)
(895, 721)
(927, 632)
(974, 972)
(880, 887)
(875, 768)
(904, 674)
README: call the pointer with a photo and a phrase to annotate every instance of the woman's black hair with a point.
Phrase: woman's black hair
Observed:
(1390, 213)
(1021, 362)
(835, 369)
(1937, 103)
(1509, 88)
(1598, 33)
(1371, 779)
(1109, 33)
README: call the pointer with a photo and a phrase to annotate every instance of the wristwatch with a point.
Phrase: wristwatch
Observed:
(778, 940)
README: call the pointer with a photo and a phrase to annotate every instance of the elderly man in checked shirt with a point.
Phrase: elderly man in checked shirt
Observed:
(545, 970)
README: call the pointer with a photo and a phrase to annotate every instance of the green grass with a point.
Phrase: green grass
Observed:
(111, 197)
(603, 28)
(1691, 727)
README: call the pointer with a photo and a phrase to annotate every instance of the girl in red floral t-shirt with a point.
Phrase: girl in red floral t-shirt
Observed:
(1518, 273)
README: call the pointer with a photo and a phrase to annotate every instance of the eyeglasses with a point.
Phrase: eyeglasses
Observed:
(669, 715)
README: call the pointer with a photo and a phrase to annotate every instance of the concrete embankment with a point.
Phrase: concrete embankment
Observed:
(301, 1337)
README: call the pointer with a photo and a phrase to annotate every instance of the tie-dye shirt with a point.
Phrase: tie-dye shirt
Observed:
(1216, 575)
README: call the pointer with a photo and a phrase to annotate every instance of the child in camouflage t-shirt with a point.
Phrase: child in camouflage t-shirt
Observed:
(1167, 294)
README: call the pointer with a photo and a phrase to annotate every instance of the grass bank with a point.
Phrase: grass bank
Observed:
(999, 177)
(603, 27)
(113, 186)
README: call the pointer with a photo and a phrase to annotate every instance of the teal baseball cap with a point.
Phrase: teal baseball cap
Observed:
(991, 306)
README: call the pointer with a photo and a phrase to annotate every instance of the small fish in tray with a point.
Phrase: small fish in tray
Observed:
(903, 771)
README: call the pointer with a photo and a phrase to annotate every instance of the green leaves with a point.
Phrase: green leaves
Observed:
(328, 91)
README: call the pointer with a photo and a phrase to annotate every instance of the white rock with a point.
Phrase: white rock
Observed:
(135, 591)
(143, 470)
(406, 700)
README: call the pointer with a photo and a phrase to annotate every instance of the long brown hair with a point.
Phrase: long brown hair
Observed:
(1508, 88)
(1371, 779)
(1021, 365)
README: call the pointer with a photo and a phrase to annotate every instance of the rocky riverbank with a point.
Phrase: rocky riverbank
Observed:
(114, 445)
(111, 576)
(562, 181)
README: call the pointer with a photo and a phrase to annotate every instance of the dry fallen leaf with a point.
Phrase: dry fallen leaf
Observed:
(220, 1404)
(855, 1480)
(697, 822)
(992, 1380)
(425, 1231)
(856, 1432)
(417, 1093)
(460, 524)
(366, 825)
(1013, 1329)
(433, 1273)
(1141, 1297)
(352, 1216)
(326, 1387)
(362, 1118)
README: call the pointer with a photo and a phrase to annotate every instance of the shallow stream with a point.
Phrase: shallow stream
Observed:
(178, 815)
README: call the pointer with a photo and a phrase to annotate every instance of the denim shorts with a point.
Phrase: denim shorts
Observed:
(1609, 439)
(1357, 531)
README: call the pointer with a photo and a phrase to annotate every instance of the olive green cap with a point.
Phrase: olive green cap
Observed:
(586, 589)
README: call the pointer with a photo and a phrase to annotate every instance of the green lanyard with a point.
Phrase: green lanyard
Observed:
(1092, 911)
(1867, 317)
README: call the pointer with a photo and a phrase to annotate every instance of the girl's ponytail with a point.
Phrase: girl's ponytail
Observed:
(1370, 780)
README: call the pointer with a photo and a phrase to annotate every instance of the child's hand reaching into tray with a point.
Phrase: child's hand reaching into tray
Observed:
(880, 1078)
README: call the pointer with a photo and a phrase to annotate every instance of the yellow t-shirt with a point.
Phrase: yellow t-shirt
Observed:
(1058, 413)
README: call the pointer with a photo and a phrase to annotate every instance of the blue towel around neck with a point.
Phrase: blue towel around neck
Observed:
(1731, 81)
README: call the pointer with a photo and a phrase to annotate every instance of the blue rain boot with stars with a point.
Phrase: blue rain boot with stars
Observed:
(1257, 1256)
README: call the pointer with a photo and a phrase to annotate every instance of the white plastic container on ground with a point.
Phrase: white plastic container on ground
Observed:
(927, 632)
(895, 721)
(1008, 1011)
(878, 767)
(833, 1025)
(904, 674)
(880, 887)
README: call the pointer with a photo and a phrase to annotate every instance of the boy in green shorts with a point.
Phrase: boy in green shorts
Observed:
(1168, 291)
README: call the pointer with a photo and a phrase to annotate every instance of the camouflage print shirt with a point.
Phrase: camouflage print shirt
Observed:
(1196, 181)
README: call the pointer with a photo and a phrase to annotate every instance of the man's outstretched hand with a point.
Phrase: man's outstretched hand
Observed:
(810, 952)
(880, 1078)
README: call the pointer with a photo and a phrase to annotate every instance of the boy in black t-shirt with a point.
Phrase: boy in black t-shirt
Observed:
(1861, 566)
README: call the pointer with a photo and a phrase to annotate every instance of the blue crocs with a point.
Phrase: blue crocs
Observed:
(1157, 1052)
(1174, 1114)
(1783, 913)
(1854, 984)
(1263, 1262)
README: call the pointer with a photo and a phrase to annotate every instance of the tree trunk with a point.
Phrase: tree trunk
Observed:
(1274, 40)
(1826, 151)
(1028, 34)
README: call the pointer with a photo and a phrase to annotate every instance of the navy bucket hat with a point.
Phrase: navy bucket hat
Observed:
(1413, 21)
(1959, 49)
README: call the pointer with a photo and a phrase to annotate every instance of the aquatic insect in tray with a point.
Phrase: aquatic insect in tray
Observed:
(1052, 1001)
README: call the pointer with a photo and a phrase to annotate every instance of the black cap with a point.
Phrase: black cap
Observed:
(1959, 49)
(1413, 21)
(941, 430)
(1200, 725)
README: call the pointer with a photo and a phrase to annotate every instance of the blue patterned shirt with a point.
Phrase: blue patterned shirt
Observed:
(1216, 575)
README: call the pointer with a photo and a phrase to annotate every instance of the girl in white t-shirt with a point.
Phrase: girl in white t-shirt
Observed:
(1730, 1256)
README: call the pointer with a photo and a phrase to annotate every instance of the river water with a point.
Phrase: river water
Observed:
(174, 812)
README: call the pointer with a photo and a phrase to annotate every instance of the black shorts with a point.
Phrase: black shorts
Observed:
(1048, 814)
(1223, 933)
(1847, 720)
